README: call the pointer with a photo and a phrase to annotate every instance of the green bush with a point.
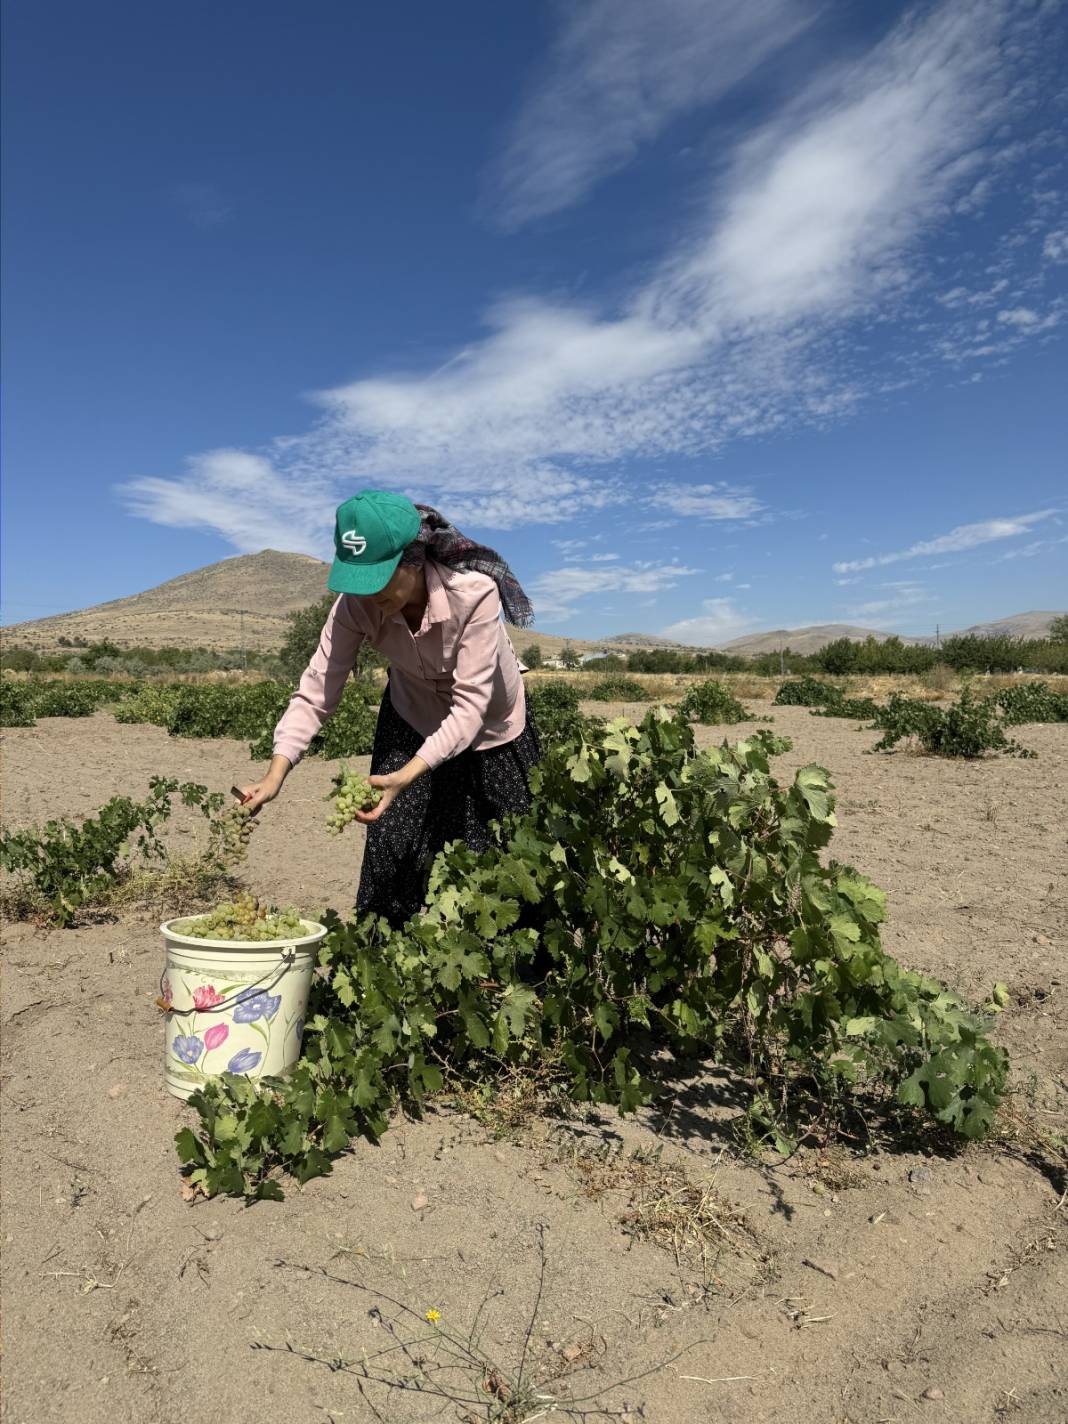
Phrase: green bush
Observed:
(16, 703)
(653, 891)
(152, 703)
(75, 699)
(710, 703)
(554, 707)
(970, 728)
(222, 710)
(807, 692)
(349, 732)
(861, 709)
(69, 864)
(302, 639)
(618, 689)
(1031, 702)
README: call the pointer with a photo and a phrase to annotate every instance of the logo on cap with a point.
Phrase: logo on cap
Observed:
(355, 543)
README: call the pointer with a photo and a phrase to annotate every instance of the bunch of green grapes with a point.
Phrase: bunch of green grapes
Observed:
(234, 831)
(246, 919)
(352, 792)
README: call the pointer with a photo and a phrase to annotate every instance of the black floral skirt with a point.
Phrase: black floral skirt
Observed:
(456, 801)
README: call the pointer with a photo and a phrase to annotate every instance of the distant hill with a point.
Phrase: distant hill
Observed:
(204, 609)
(1019, 625)
(802, 640)
(818, 635)
(635, 642)
(247, 598)
(198, 609)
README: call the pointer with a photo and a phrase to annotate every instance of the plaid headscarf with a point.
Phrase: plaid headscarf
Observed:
(439, 540)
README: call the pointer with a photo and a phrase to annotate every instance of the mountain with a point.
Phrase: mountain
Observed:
(244, 598)
(640, 641)
(244, 601)
(240, 600)
(1019, 625)
(811, 639)
(802, 640)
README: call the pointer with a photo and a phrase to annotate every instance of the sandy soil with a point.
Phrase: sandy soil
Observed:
(927, 1287)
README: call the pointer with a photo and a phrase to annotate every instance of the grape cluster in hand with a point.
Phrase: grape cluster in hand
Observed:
(352, 792)
(235, 828)
(246, 919)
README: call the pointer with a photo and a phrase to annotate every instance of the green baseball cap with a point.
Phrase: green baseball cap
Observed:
(373, 530)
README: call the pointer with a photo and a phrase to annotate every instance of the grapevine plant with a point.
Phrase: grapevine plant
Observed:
(712, 704)
(969, 728)
(1031, 702)
(651, 887)
(70, 864)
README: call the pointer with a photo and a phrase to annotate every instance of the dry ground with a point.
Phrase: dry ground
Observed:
(885, 1287)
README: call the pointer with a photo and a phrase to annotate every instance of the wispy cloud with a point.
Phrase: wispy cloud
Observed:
(619, 72)
(899, 596)
(1032, 550)
(200, 204)
(706, 502)
(812, 221)
(556, 592)
(240, 496)
(718, 622)
(964, 536)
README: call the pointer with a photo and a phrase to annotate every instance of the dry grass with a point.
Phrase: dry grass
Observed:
(180, 885)
(663, 1203)
(511, 1103)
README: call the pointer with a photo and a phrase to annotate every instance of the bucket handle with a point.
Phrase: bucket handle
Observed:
(289, 959)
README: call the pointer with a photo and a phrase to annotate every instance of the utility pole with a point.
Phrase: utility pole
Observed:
(244, 654)
(781, 668)
(938, 635)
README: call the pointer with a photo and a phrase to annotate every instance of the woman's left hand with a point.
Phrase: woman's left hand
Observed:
(391, 786)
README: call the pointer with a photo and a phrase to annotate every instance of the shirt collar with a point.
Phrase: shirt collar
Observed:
(437, 597)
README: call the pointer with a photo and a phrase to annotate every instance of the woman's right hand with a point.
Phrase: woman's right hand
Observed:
(268, 787)
(259, 793)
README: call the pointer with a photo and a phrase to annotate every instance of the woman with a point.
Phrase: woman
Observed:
(454, 739)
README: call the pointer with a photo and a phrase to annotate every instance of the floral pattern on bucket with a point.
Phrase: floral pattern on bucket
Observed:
(231, 1014)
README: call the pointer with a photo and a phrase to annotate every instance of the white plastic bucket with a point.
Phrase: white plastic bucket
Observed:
(235, 1007)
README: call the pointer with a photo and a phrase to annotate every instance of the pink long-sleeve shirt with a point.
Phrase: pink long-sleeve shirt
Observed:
(456, 680)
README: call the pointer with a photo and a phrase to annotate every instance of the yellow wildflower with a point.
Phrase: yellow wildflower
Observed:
(433, 1316)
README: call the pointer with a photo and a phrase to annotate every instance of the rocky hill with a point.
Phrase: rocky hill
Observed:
(1019, 625)
(802, 640)
(241, 599)
(244, 601)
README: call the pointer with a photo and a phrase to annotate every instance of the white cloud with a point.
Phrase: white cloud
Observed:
(718, 622)
(200, 204)
(823, 203)
(555, 593)
(1055, 247)
(962, 296)
(706, 502)
(965, 536)
(813, 220)
(620, 71)
(240, 496)
(1030, 551)
(723, 578)
(602, 558)
(903, 595)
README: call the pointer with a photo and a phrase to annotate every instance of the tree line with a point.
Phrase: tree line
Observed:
(844, 656)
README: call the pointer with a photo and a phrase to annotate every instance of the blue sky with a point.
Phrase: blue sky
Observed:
(711, 317)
